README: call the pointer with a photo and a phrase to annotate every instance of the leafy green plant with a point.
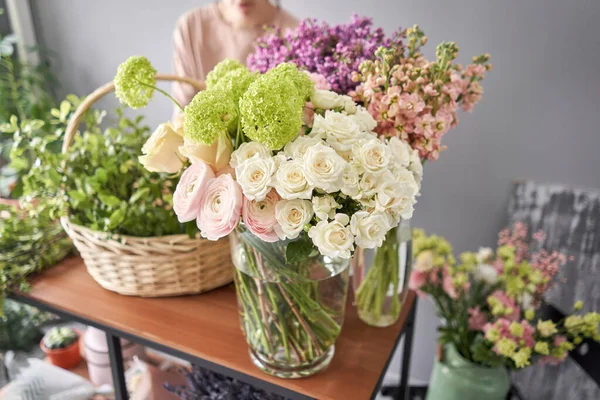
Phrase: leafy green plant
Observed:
(59, 338)
(21, 326)
(25, 92)
(100, 183)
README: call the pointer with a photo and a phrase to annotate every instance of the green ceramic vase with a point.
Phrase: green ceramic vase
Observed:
(458, 379)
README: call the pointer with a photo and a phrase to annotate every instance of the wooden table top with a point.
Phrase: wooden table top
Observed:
(207, 326)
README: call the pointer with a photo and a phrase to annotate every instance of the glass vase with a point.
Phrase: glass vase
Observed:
(291, 314)
(380, 277)
(456, 378)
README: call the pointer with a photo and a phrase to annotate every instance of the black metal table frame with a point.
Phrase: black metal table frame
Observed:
(116, 357)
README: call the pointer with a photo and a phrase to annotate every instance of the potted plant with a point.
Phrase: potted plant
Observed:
(61, 345)
(489, 303)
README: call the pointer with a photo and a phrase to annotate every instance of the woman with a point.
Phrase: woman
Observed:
(226, 29)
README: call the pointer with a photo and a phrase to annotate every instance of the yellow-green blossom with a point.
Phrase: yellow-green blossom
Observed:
(211, 112)
(236, 82)
(506, 347)
(521, 357)
(536, 277)
(460, 279)
(288, 71)
(220, 70)
(529, 314)
(516, 329)
(546, 328)
(135, 82)
(492, 334)
(542, 348)
(578, 305)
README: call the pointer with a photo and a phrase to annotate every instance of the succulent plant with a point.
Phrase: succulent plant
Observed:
(59, 338)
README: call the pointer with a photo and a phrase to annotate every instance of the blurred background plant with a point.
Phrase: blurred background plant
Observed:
(26, 92)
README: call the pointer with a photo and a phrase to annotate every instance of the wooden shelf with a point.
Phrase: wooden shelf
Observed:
(207, 326)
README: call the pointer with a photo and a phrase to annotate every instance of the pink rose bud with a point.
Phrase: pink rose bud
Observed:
(220, 207)
(259, 216)
(191, 186)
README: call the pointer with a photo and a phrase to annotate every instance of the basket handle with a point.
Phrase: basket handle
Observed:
(97, 94)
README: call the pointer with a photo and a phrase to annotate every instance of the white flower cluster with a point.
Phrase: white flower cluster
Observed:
(339, 182)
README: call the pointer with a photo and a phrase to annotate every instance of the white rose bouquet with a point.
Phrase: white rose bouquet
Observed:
(296, 170)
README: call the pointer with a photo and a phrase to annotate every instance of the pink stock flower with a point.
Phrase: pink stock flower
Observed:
(448, 284)
(550, 360)
(220, 207)
(477, 319)
(411, 104)
(259, 216)
(319, 80)
(188, 194)
(425, 125)
(528, 332)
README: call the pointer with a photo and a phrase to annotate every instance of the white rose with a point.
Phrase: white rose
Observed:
(349, 104)
(254, 176)
(484, 254)
(369, 229)
(363, 119)
(333, 239)
(372, 155)
(351, 181)
(416, 167)
(325, 206)
(340, 131)
(486, 273)
(247, 151)
(368, 185)
(326, 99)
(290, 181)
(323, 167)
(297, 148)
(291, 217)
(424, 261)
(396, 194)
(161, 151)
(526, 300)
(401, 152)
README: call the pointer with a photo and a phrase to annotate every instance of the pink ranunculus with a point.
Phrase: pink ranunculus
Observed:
(220, 207)
(417, 280)
(319, 80)
(191, 186)
(259, 216)
(477, 319)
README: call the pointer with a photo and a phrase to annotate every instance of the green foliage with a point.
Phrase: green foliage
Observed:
(59, 338)
(20, 328)
(24, 92)
(100, 183)
(299, 250)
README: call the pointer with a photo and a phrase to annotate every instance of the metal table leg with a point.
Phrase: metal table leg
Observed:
(116, 366)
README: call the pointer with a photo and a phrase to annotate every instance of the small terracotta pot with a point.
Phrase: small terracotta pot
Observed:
(67, 357)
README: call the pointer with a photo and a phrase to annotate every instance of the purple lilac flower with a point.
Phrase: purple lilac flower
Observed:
(332, 51)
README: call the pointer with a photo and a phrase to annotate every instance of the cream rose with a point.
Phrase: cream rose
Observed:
(333, 239)
(247, 151)
(339, 130)
(220, 207)
(254, 176)
(326, 100)
(161, 150)
(351, 181)
(348, 104)
(216, 155)
(396, 195)
(325, 206)
(292, 216)
(290, 181)
(484, 254)
(486, 273)
(323, 167)
(369, 229)
(364, 120)
(424, 261)
(416, 167)
(191, 186)
(368, 185)
(401, 152)
(297, 148)
(372, 155)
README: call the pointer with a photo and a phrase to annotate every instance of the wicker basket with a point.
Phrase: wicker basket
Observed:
(149, 267)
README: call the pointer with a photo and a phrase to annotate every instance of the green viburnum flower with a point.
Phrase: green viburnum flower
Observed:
(302, 82)
(222, 69)
(271, 111)
(210, 113)
(135, 82)
(578, 305)
(236, 82)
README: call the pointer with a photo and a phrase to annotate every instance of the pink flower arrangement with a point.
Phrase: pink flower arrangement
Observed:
(220, 207)
(416, 99)
(188, 194)
(488, 300)
(259, 216)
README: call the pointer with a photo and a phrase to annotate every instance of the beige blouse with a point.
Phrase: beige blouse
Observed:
(203, 38)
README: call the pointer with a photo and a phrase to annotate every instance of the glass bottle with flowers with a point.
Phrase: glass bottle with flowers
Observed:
(488, 303)
(414, 102)
(275, 163)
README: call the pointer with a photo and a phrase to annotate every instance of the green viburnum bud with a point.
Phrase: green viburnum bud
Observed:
(271, 111)
(222, 69)
(211, 112)
(135, 82)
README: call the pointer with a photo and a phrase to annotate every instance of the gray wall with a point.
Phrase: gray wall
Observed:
(538, 118)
